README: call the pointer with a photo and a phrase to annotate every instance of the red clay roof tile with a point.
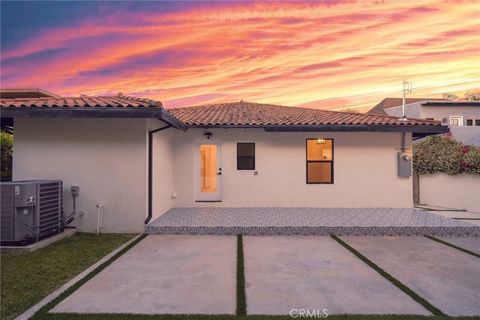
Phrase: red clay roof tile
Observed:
(256, 114)
(80, 102)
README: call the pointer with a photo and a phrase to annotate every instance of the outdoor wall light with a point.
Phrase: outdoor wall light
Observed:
(207, 134)
(321, 141)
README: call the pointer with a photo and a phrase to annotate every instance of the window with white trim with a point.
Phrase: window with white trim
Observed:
(456, 120)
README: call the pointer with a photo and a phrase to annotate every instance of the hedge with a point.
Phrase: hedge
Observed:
(6, 142)
(444, 154)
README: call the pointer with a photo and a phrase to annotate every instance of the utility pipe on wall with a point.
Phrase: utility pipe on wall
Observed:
(403, 142)
(100, 208)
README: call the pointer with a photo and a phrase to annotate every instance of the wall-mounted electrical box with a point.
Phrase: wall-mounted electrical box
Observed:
(404, 160)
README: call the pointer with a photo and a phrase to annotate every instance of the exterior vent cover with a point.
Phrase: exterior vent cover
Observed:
(6, 211)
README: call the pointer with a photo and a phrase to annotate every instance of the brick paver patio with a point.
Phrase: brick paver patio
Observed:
(309, 221)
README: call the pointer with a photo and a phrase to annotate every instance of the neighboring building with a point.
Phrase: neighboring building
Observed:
(25, 93)
(388, 103)
(463, 117)
(139, 160)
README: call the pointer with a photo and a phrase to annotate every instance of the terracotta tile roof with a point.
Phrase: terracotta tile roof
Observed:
(118, 106)
(395, 102)
(80, 102)
(256, 114)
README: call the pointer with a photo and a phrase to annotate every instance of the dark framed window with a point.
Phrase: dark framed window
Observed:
(319, 162)
(245, 156)
(469, 122)
(477, 122)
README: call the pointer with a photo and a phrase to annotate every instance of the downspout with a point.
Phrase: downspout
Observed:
(150, 169)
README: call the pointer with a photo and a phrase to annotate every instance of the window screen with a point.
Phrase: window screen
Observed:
(245, 156)
(319, 161)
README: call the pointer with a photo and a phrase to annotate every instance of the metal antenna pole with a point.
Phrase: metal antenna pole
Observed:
(407, 88)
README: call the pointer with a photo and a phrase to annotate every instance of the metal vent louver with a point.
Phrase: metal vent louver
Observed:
(6, 211)
(49, 203)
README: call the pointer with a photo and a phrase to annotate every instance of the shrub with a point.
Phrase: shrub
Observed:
(6, 142)
(471, 161)
(443, 154)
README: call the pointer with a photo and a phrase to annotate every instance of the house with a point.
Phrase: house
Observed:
(463, 117)
(137, 159)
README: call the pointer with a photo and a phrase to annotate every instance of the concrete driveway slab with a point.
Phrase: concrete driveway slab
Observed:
(444, 276)
(284, 273)
(164, 275)
(469, 243)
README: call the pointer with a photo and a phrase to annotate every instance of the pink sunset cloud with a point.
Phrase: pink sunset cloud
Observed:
(284, 53)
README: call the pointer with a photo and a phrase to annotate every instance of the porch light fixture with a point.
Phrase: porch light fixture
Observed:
(207, 134)
(321, 141)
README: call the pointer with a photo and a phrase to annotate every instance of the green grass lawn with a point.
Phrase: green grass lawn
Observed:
(28, 277)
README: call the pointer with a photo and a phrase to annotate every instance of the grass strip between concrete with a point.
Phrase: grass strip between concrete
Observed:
(427, 305)
(241, 296)
(453, 246)
(43, 312)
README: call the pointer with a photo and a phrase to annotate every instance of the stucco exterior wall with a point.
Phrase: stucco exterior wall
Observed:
(365, 170)
(162, 168)
(465, 134)
(412, 110)
(439, 113)
(457, 192)
(105, 157)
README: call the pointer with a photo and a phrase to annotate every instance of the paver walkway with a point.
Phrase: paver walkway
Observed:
(308, 221)
(285, 273)
(164, 274)
(446, 277)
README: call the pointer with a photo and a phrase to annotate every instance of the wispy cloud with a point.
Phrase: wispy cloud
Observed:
(317, 54)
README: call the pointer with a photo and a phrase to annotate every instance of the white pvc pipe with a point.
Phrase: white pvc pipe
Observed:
(100, 209)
